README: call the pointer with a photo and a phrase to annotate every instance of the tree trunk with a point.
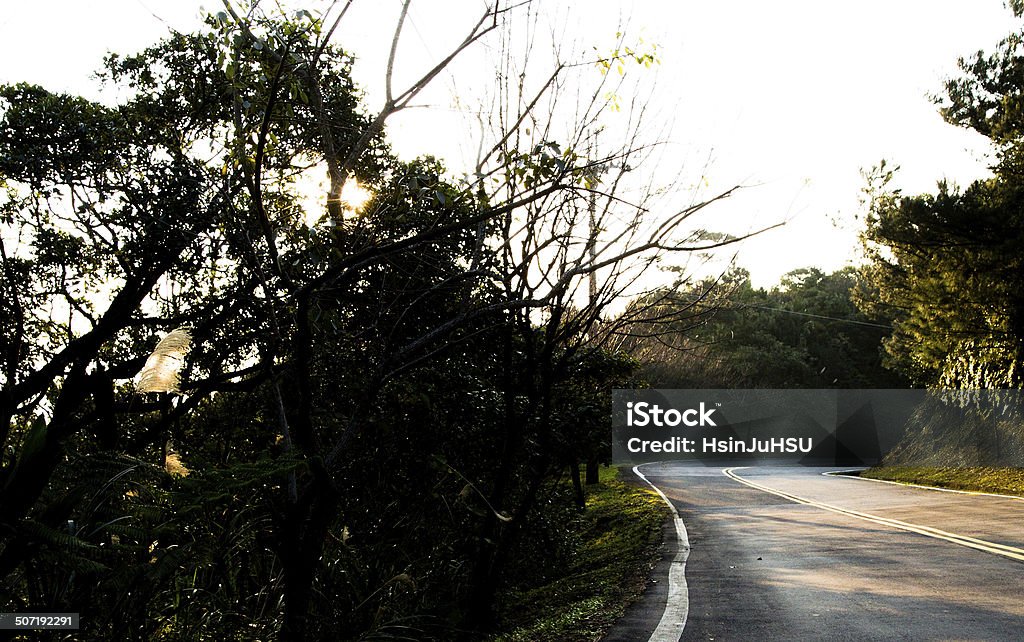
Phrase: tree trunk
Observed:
(298, 585)
(593, 474)
(577, 485)
(300, 548)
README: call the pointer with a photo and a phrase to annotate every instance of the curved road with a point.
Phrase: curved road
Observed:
(787, 553)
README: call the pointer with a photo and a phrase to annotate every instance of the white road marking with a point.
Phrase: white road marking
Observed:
(677, 604)
(839, 474)
(962, 540)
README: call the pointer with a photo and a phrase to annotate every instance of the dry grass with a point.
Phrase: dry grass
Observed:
(1004, 481)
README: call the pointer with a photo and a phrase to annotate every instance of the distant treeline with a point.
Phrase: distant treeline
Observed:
(805, 332)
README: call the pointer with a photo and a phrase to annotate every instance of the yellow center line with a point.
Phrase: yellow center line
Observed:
(961, 540)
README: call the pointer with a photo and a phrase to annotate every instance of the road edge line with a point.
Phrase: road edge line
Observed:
(677, 602)
(839, 475)
(994, 548)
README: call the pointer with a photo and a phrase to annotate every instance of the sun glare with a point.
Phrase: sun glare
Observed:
(313, 186)
(354, 196)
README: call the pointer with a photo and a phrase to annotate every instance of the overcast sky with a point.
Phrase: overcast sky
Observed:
(793, 97)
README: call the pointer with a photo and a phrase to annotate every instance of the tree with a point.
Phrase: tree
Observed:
(349, 380)
(724, 333)
(947, 266)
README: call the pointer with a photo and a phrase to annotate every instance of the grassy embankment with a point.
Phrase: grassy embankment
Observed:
(958, 446)
(1003, 481)
(619, 536)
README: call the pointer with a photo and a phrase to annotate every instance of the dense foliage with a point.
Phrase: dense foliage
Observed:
(371, 412)
(804, 333)
(947, 267)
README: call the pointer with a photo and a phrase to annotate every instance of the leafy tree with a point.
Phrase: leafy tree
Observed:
(375, 402)
(804, 333)
(947, 266)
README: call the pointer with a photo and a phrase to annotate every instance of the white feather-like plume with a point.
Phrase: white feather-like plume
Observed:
(161, 372)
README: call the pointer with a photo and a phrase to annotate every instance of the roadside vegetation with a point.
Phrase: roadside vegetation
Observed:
(605, 557)
(1002, 481)
(236, 406)
(946, 269)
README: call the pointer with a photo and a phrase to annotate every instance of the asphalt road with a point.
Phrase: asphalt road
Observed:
(786, 553)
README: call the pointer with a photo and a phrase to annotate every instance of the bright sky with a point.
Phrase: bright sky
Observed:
(792, 97)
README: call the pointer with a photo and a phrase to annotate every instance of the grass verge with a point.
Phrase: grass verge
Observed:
(617, 544)
(1004, 481)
